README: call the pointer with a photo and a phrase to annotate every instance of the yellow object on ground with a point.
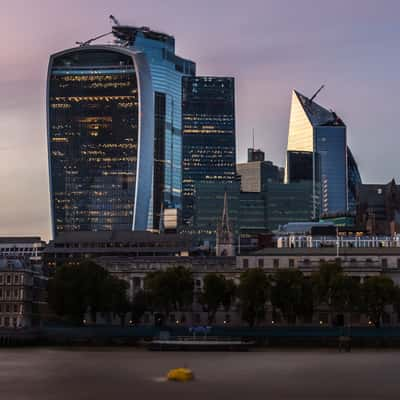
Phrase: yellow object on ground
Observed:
(180, 375)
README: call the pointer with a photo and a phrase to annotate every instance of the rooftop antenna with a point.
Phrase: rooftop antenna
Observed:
(316, 93)
(253, 140)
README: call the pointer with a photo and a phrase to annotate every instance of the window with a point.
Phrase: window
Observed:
(291, 262)
(245, 263)
(1, 293)
(398, 263)
(1, 278)
(8, 308)
(384, 263)
(260, 263)
(16, 293)
(8, 278)
(198, 282)
(16, 278)
(276, 262)
(15, 308)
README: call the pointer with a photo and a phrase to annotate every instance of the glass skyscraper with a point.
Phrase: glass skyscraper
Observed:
(354, 181)
(321, 132)
(100, 139)
(209, 147)
(167, 70)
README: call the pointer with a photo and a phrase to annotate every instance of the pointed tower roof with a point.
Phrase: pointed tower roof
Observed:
(225, 215)
(316, 114)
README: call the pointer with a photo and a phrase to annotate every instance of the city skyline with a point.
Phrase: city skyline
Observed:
(354, 55)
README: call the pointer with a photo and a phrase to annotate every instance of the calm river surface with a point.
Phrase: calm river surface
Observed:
(125, 373)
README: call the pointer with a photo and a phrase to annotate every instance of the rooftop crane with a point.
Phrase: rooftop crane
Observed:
(114, 20)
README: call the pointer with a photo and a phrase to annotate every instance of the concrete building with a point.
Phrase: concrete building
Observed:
(29, 247)
(256, 174)
(23, 293)
(73, 247)
(378, 208)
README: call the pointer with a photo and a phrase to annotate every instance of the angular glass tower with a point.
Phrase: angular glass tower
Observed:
(100, 123)
(321, 132)
(167, 70)
(209, 147)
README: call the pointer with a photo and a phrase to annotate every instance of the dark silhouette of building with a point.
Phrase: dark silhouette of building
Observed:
(378, 208)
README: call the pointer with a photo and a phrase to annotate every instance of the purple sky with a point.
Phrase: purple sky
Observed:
(269, 46)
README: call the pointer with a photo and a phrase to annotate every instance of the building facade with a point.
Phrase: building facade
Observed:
(321, 132)
(100, 121)
(256, 174)
(29, 247)
(354, 181)
(167, 70)
(209, 147)
(23, 293)
(378, 208)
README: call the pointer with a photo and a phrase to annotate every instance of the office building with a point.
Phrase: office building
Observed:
(22, 247)
(167, 70)
(257, 173)
(354, 181)
(100, 139)
(291, 202)
(23, 293)
(322, 133)
(208, 120)
(378, 208)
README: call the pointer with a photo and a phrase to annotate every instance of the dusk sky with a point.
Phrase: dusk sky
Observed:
(269, 46)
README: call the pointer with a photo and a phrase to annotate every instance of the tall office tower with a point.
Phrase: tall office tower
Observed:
(315, 129)
(208, 119)
(354, 181)
(167, 70)
(100, 139)
(257, 173)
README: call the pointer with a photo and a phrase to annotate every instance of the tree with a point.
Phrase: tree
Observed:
(85, 287)
(139, 305)
(116, 294)
(169, 290)
(217, 292)
(377, 293)
(327, 284)
(291, 293)
(253, 294)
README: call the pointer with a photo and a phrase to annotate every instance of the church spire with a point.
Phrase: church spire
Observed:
(225, 237)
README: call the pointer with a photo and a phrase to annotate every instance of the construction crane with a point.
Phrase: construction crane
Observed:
(114, 20)
(87, 42)
(316, 93)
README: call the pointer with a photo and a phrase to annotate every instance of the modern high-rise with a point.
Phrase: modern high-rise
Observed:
(322, 133)
(257, 173)
(100, 119)
(354, 181)
(208, 123)
(167, 70)
(114, 129)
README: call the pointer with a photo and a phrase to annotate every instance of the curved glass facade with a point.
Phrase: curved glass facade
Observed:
(94, 132)
(167, 70)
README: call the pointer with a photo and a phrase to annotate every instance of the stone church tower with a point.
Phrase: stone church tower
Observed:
(225, 237)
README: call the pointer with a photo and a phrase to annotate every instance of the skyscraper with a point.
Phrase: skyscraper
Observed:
(354, 181)
(100, 139)
(209, 148)
(167, 70)
(116, 98)
(321, 132)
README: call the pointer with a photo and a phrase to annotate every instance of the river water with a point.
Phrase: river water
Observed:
(126, 373)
